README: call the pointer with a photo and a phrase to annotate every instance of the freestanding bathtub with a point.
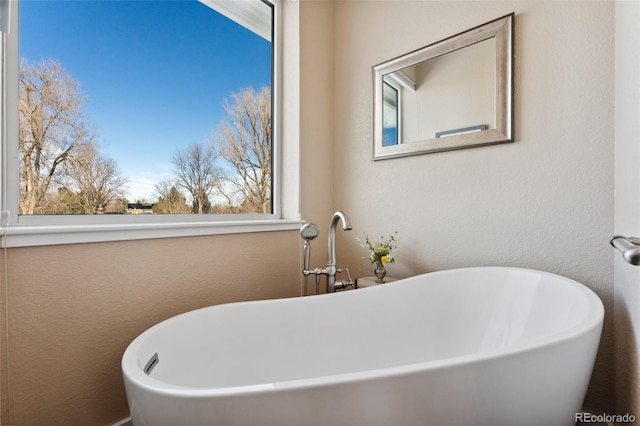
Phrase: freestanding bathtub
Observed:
(475, 346)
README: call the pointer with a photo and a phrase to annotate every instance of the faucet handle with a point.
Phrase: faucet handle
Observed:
(345, 283)
(340, 270)
(348, 275)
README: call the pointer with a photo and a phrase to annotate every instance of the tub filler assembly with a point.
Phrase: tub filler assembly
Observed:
(473, 346)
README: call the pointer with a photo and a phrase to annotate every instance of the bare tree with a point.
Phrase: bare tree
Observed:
(60, 201)
(198, 174)
(244, 141)
(97, 179)
(170, 199)
(51, 127)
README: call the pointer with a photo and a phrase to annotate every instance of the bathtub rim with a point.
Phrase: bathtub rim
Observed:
(593, 322)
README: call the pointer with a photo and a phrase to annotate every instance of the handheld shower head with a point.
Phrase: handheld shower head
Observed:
(309, 231)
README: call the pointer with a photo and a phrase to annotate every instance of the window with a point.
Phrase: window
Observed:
(391, 118)
(147, 105)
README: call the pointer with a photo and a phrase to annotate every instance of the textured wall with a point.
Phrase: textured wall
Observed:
(544, 202)
(627, 212)
(316, 122)
(73, 309)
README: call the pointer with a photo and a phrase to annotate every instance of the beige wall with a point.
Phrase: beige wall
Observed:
(316, 118)
(544, 202)
(73, 309)
(627, 202)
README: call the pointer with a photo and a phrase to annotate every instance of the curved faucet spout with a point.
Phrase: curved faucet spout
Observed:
(331, 261)
(346, 225)
(340, 215)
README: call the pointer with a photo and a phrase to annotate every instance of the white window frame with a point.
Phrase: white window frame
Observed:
(399, 102)
(32, 230)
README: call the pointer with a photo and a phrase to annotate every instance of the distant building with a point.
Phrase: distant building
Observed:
(140, 208)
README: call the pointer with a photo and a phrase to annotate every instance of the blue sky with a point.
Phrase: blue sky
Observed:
(155, 73)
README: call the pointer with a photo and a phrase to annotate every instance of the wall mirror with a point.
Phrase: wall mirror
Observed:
(453, 94)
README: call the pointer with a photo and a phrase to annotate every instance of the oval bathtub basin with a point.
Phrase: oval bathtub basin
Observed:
(474, 346)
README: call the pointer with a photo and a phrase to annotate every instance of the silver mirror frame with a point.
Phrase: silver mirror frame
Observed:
(502, 30)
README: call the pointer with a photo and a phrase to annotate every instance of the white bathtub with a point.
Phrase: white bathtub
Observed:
(477, 346)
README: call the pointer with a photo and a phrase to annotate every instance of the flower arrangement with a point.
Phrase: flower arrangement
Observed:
(380, 251)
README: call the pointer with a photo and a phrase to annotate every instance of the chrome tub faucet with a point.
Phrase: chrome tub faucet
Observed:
(331, 270)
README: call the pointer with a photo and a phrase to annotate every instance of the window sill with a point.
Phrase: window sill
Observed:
(42, 235)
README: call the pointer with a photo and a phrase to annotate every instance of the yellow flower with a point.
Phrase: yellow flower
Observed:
(384, 260)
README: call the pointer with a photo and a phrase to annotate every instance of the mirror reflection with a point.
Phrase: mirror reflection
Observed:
(434, 98)
(391, 113)
(449, 95)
